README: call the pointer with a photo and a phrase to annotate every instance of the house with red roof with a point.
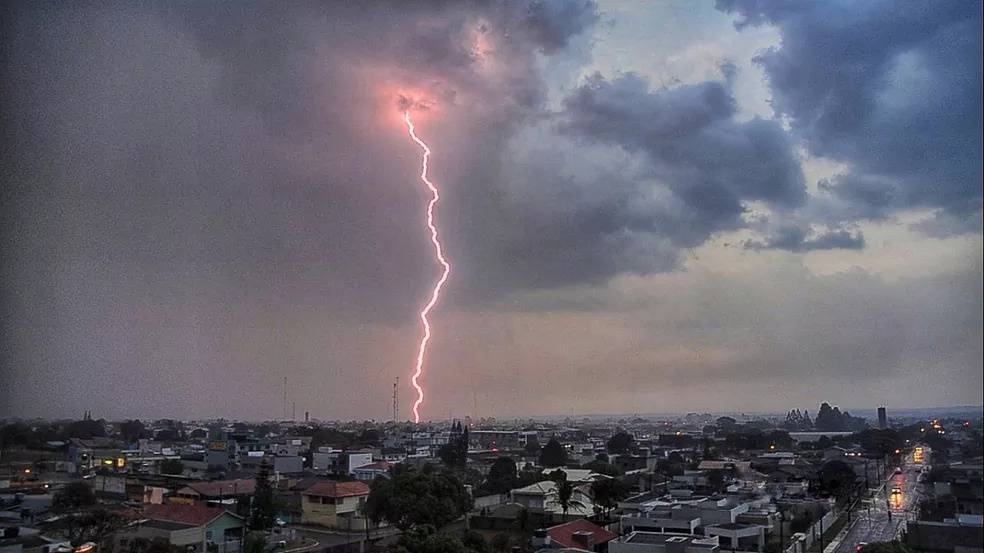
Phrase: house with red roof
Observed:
(576, 534)
(194, 526)
(334, 504)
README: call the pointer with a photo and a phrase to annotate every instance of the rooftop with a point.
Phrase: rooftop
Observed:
(218, 488)
(659, 538)
(563, 534)
(188, 514)
(337, 489)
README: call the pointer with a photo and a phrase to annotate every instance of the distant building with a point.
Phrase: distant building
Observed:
(882, 419)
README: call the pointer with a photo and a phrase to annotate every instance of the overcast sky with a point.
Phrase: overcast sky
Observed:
(648, 206)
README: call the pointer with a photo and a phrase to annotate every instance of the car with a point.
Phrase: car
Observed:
(896, 491)
(860, 546)
(281, 544)
(898, 470)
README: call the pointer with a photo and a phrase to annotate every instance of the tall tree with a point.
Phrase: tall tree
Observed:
(416, 498)
(607, 493)
(172, 466)
(553, 455)
(502, 476)
(564, 495)
(620, 443)
(75, 495)
(264, 512)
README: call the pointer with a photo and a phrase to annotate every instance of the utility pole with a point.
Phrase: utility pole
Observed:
(285, 399)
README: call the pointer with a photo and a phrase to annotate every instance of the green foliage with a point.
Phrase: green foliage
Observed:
(264, 512)
(837, 478)
(133, 430)
(608, 492)
(475, 541)
(85, 429)
(454, 454)
(601, 467)
(500, 543)
(415, 499)
(254, 544)
(75, 495)
(831, 419)
(563, 494)
(620, 443)
(425, 539)
(95, 525)
(172, 466)
(553, 455)
(502, 477)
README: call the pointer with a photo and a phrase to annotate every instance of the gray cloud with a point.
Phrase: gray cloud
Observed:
(892, 89)
(794, 238)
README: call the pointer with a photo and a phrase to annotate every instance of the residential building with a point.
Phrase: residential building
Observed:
(333, 504)
(655, 542)
(368, 473)
(216, 490)
(196, 527)
(576, 534)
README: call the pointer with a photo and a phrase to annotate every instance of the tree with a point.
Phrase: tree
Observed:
(425, 539)
(172, 466)
(133, 430)
(475, 542)
(603, 457)
(532, 447)
(264, 512)
(607, 493)
(602, 467)
(254, 544)
(502, 476)
(620, 443)
(95, 526)
(454, 454)
(415, 498)
(553, 455)
(837, 478)
(563, 494)
(75, 495)
(85, 429)
(500, 543)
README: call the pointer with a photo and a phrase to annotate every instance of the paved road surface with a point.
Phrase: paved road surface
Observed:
(883, 517)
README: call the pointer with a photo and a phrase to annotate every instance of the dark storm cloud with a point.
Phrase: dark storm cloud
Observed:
(586, 221)
(893, 89)
(797, 239)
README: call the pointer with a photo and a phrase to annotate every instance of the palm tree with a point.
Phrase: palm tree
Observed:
(563, 495)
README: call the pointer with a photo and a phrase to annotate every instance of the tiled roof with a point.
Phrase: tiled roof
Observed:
(563, 534)
(224, 487)
(194, 514)
(337, 489)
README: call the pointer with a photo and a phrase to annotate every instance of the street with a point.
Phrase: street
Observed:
(882, 517)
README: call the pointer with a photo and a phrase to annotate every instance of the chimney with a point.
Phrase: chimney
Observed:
(540, 539)
(584, 539)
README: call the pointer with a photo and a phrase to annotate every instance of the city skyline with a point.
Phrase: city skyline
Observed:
(678, 206)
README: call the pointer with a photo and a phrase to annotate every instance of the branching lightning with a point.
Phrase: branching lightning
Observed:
(439, 253)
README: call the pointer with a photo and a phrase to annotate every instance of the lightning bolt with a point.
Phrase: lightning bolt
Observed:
(439, 254)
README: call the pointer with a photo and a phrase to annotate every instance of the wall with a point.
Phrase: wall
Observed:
(315, 511)
(490, 501)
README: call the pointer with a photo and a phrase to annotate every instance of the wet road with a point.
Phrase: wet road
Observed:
(882, 518)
